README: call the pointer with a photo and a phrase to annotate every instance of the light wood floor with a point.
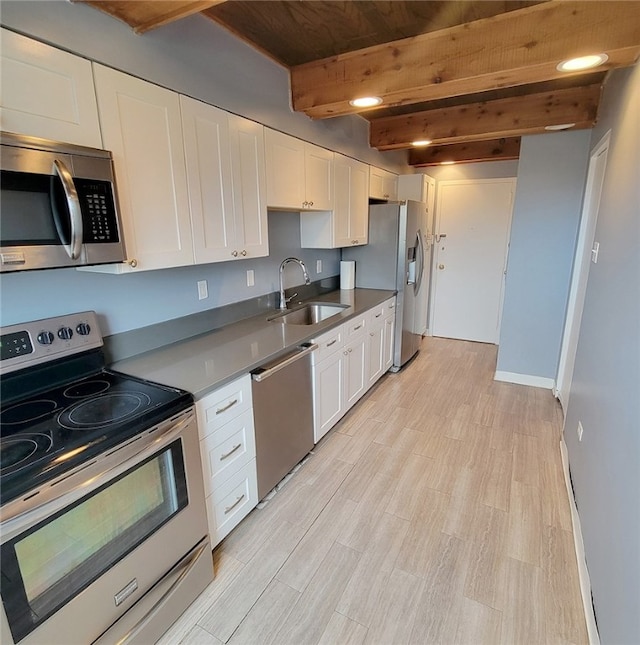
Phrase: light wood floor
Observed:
(435, 512)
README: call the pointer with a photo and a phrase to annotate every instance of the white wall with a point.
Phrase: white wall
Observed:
(605, 392)
(546, 215)
(196, 57)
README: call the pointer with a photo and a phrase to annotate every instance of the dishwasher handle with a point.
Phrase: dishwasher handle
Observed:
(263, 373)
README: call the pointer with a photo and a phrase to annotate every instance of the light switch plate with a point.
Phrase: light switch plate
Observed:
(594, 252)
(250, 278)
(203, 291)
(318, 266)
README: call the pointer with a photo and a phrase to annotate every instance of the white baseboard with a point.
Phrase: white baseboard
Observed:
(525, 379)
(583, 573)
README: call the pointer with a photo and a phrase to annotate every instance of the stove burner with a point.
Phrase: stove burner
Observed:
(27, 411)
(86, 388)
(103, 410)
(15, 450)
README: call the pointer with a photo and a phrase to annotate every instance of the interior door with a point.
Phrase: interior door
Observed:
(472, 236)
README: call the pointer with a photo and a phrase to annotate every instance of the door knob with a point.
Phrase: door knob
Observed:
(441, 266)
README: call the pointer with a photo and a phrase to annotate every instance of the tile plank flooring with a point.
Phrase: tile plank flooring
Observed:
(434, 512)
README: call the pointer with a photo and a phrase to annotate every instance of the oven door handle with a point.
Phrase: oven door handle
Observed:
(21, 514)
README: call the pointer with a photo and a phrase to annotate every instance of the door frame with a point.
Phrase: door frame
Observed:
(581, 267)
(436, 235)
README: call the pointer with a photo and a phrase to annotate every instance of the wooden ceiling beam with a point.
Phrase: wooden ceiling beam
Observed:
(471, 151)
(144, 15)
(509, 117)
(511, 49)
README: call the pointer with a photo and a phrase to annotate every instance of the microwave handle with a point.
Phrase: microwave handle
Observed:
(74, 247)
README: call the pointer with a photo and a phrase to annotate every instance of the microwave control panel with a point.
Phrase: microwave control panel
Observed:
(98, 210)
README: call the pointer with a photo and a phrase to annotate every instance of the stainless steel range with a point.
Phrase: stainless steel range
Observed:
(103, 527)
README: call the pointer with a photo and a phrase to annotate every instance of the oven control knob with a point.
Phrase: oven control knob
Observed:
(45, 338)
(65, 333)
(83, 329)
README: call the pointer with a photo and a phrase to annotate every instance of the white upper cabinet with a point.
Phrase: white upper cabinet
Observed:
(383, 184)
(414, 187)
(299, 174)
(348, 223)
(206, 147)
(141, 125)
(47, 92)
(248, 172)
(226, 179)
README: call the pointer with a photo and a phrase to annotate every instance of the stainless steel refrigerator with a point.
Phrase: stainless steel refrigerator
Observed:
(395, 259)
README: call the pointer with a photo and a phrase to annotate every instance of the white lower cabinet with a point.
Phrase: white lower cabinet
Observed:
(349, 360)
(228, 453)
(389, 332)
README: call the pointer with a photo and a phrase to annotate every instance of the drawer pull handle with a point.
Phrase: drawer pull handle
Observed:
(226, 407)
(333, 342)
(357, 327)
(230, 508)
(371, 333)
(228, 454)
(378, 315)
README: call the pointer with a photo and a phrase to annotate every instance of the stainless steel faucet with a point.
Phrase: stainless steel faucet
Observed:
(283, 300)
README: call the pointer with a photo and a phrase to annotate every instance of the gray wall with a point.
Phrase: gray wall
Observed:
(605, 392)
(130, 301)
(196, 57)
(546, 215)
(484, 170)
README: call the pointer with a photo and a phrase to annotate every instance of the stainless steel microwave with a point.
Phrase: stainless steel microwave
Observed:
(59, 205)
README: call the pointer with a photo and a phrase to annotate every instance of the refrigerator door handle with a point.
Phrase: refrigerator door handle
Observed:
(419, 270)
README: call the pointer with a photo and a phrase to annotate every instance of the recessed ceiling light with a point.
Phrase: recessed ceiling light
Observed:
(447, 163)
(583, 62)
(366, 101)
(420, 143)
(560, 126)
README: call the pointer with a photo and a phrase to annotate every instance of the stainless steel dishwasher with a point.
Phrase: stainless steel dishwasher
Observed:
(283, 415)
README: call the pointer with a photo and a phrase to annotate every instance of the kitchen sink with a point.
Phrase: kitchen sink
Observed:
(309, 314)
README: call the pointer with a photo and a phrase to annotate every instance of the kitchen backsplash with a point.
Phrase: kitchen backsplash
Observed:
(132, 301)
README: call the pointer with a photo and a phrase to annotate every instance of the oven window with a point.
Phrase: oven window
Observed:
(51, 563)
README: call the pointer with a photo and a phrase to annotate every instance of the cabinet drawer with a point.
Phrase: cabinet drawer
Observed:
(389, 306)
(356, 326)
(226, 450)
(232, 502)
(224, 404)
(377, 315)
(328, 343)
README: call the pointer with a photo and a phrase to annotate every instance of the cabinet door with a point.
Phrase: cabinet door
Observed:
(376, 350)
(382, 184)
(249, 187)
(355, 369)
(47, 92)
(208, 159)
(359, 203)
(389, 329)
(318, 167)
(328, 393)
(285, 170)
(141, 125)
(342, 201)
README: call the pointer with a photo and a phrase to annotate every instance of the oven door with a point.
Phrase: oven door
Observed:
(53, 217)
(75, 565)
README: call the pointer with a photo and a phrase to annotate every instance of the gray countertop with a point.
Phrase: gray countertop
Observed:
(204, 362)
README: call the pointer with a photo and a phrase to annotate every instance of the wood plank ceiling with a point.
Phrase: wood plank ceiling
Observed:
(471, 77)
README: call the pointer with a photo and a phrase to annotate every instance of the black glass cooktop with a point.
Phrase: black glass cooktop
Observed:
(49, 433)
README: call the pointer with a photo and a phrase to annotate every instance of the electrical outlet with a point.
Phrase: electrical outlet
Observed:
(318, 266)
(579, 430)
(203, 291)
(251, 279)
(594, 252)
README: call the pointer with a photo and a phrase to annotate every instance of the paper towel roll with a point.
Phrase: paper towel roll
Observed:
(347, 274)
